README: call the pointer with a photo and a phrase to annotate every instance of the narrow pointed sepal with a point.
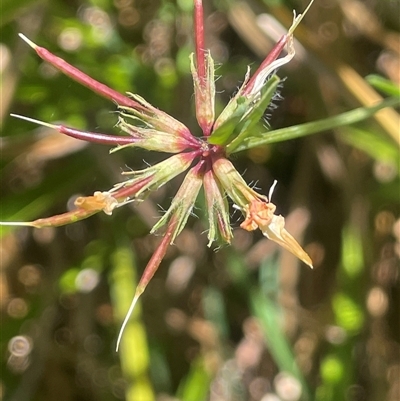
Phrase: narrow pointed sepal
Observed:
(57, 220)
(158, 120)
(154, 177)
(127, 317)
(80, 76)
(87, 206)
(88, 136)
(233, 183)
(152, 139)
(149, 272)
(217, 209)
(204, 93)
(183, 202)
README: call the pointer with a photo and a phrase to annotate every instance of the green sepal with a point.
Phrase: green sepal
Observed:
(244, 118)
(182, 204)
(204, 93)
(256, 113)
(220, 229)
(227, 131)
(232, 104)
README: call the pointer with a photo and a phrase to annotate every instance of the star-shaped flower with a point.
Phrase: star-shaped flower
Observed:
(206, 158)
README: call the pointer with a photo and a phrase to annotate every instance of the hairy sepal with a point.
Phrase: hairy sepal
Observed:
(204, 93)
(183, 202)
(152, 139)
(255, 114)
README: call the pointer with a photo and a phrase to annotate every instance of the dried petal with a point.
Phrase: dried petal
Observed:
(276, 231)
(99, 201)
(271, 62)
(258, 214)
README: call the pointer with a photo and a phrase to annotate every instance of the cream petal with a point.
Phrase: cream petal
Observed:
(276, 231)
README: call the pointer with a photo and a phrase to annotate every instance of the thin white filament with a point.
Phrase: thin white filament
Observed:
(32, 120)
(127, 317)
(15, 223)
(25, 39)
(271, 190)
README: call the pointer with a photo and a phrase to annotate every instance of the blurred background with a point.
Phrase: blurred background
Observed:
(245, 322)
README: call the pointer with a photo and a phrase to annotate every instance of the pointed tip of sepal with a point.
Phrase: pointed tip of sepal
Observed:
(28, 41)
(127, 317)
(298, 18)
(307, 260)
(32, 120)
(17, 223)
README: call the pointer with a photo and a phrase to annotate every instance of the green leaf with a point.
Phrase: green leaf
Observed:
(196, 385)
(384, 85)
(268, 315)
(134, 352)
(298, 131)
(377, 146)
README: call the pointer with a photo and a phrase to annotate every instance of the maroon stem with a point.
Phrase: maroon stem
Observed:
(199, 39)
(85, 80)
(272, 56)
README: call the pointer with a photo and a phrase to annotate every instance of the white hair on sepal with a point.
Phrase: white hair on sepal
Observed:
(162, 210)
(277, 97)
(253, 185)
(193, 214)
(235, 210)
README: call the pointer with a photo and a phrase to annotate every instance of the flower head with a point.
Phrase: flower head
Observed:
(206, 158)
